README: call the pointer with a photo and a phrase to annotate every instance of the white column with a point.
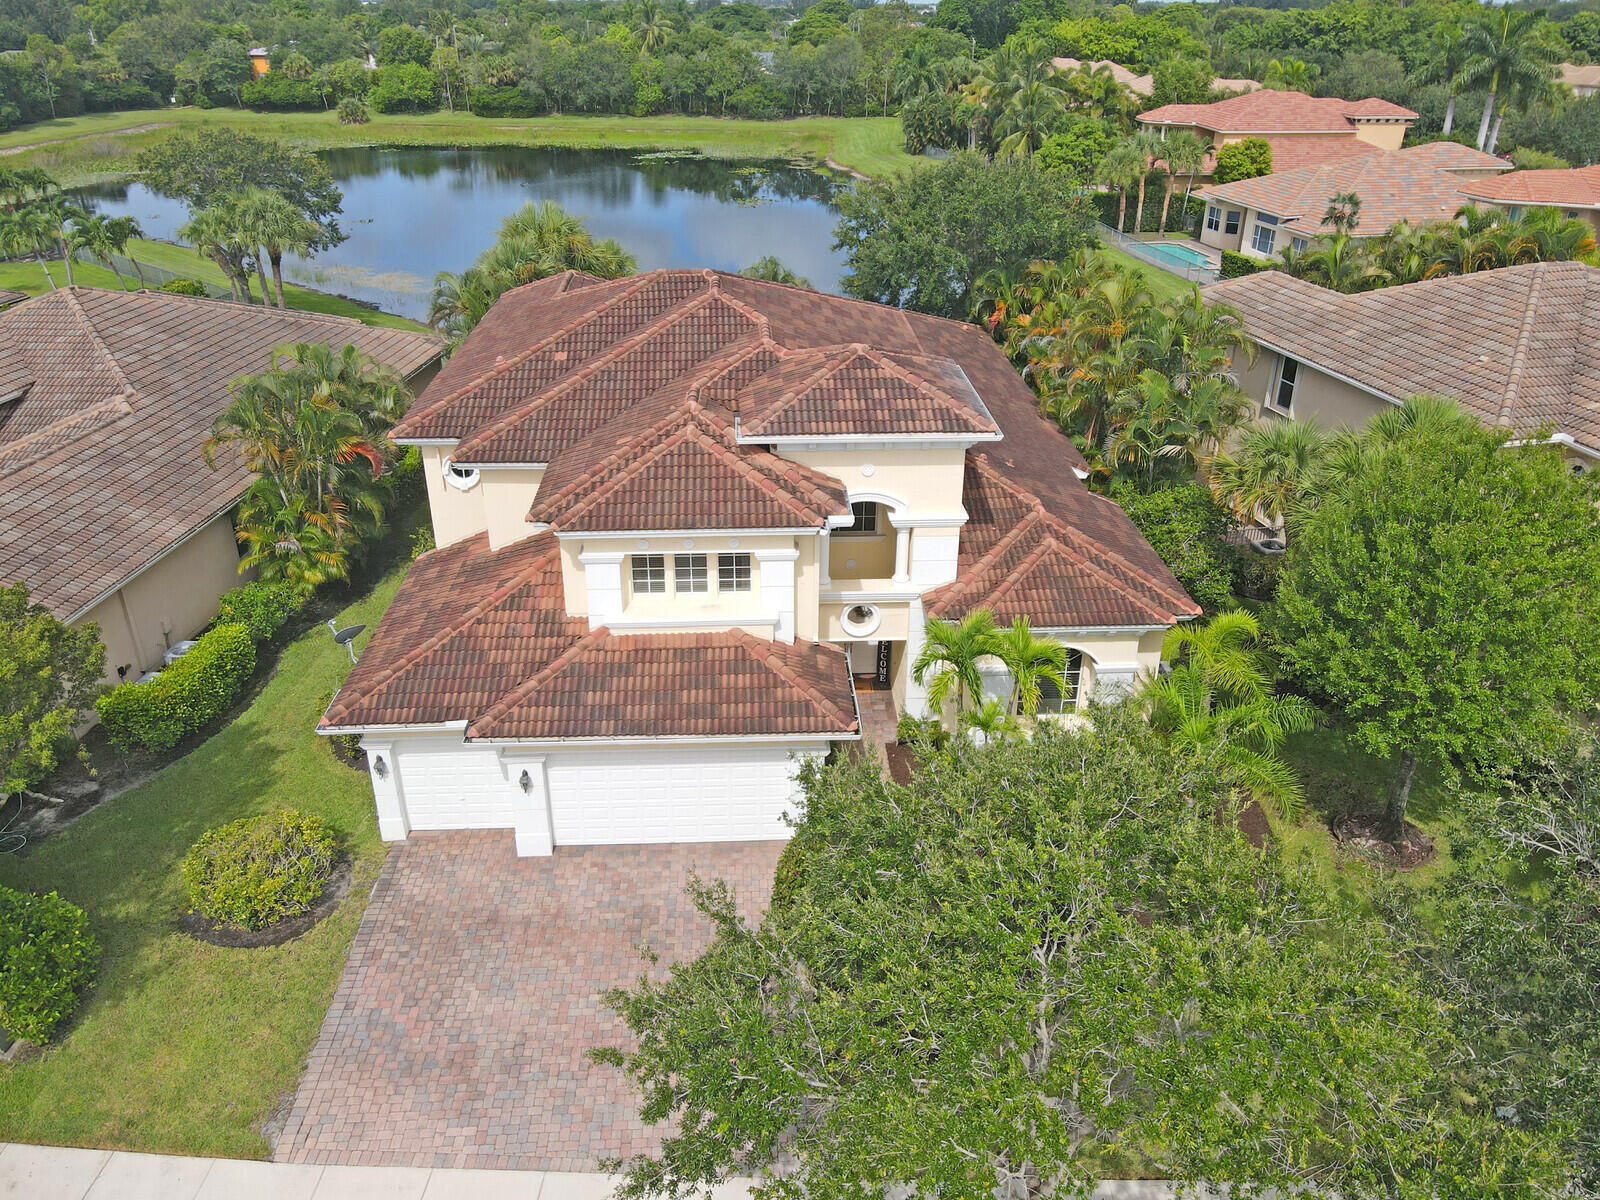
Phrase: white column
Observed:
(602, 581)
(825, 543)
(383, 770)
(530, 803)
(902, 552)
(916, 693)
(777, 589)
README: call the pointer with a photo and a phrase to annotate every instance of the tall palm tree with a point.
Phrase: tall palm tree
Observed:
(1027, 119)
(1269, 471)
(1508, 54)
(1217, 700)
(1030, 660)
(1288, 75)
(1451, 53)
(274, 226)
(1184, 154)
(25, 230)
(1097, 92)
(1121, 168)
(1343, 212)
(55, 217)
(1147, 143)
(104, 238)
(214, 233)
(651, 25)
(948, 663)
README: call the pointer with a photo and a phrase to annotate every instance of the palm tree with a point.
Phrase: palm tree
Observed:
(1184, 154)
(651, 25)
(921, 71)
(104, 238)
(1288, 75)
(27, 230)
(54, 217)
(992, 719)
(1122, 167)
(1096, 91)
(1217, 700)
(1343, 212)
(273, 225)
(1508, 54)
(288, 541)
(770, 268)
(1269, 471)
(948, 662)
(1147, 142)
(1451, 53)
(1030, 660)
(214, 233)
(1027, 119)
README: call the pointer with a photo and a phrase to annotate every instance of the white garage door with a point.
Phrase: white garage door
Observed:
(680, 794)
(451, 786)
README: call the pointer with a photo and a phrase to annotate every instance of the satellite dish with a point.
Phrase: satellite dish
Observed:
(346, 636)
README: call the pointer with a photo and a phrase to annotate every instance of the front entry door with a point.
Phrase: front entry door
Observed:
(881, 677)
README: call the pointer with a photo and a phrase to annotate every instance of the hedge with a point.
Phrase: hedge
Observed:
(1235, 264)
(184, 287)
(259, 870)
(47, 957)
(508, 101)
(261, 607)
(277, 92)
(187, 696)
(1107, 204)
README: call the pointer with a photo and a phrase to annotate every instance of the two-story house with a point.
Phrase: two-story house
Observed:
(682, 519)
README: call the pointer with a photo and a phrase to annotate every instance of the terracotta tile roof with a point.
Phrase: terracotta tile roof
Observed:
(1394, 185)
(100, 468)
(1139, 85)
(1577, 187)
(9, 297)
(1453, 156)
(1271, 111)
(671, 473)
(1516, 346)
(482, 636)
(679, 685)
(1059, 568)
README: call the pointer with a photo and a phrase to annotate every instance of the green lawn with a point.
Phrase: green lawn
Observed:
(30, 277)
(1163, 285)
(182, 1046)
(80, 150)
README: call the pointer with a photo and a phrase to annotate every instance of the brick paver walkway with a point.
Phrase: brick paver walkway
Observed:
(457, 1035)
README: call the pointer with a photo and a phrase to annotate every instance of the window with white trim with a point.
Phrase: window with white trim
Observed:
(1299, 244)
(1213, 218)
(649, 572)
(1053, 699)
(1281, 397)
(866, 518)
(1265, 236)
(689, 574)
(733, 572)
(1230, 223)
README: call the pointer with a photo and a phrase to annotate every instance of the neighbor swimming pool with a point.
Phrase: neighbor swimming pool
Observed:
(1178, 254)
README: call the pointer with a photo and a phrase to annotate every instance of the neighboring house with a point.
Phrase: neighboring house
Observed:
(1144, 85)
(1516, 347)
(110, 514)
(1302, 130)
(682, 518)
(1583, 80)
(260, 61)
(1575, 191)
(1264, 216)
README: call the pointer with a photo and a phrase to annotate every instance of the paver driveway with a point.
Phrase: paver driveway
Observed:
(457, 1035)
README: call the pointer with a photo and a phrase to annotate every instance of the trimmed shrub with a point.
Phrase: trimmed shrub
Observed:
(278, 91)
(47, 957)
(1188, 529)
(1107, 203)
(404, 87)
(261, 607)
(259, 870)
(187, 696)
(353, 112)
(184, 287)
(1247, 159)
(1235, 264)
(505, 101)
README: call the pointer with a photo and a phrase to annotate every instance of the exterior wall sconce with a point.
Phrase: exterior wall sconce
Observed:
(380, 768)
(525, 782)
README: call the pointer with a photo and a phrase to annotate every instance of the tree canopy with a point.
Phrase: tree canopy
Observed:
(49, 674)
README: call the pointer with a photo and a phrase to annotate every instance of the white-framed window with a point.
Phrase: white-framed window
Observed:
(1230, 223)
(866, 518)
(1299, 244)
(1265, 236)
(649, 572)
(460, 478)
(1059, 700)
(1515, 212)
(1213, 218)
(733, 572)
(689, 573)
(1281, 397)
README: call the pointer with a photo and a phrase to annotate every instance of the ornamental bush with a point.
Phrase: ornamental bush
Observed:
(506, 100)
(184, 287)
(187, 696)
(47, 958)
(1235, 264)
(262, 607)
(259, 870)
(353, 112)
(1245, 159)
(404, 87)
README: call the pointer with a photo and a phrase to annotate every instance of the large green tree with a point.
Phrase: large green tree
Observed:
(49, 673)
(921, 239)
(1036, 963)
(207, 166)
(1441, 593)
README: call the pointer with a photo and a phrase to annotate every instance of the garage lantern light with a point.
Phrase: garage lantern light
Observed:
(380, 768)
(525, 782)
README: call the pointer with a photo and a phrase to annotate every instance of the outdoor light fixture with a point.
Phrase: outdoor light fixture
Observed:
(525, 781)
(380, 768)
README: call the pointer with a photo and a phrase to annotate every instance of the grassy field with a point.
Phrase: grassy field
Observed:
(183, 1046)
(1163, 285)
(30, 277)
(100, 146)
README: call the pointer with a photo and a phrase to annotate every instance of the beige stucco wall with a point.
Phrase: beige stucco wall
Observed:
(863, 555)
(456, 514)
(1330, 402)
(926, 481)
(173, 599)
(1386, 135)
(1221, 239)
(508, 493)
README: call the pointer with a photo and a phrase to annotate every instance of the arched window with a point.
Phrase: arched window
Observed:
(1056, 700)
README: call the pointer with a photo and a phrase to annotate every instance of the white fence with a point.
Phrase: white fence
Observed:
(1143, 252)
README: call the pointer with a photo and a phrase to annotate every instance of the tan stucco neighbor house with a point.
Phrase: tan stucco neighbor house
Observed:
(1143, 85)
(683, 518)
(1264, 216)
(1574, 191)
(1516, 347)
(1302, 130)
(107, 511)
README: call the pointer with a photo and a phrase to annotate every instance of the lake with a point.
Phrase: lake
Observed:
(412, 213)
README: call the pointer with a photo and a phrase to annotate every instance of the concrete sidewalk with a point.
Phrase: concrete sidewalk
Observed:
(58, 1173)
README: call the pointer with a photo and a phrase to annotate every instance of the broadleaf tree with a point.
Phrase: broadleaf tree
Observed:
(1035, 963)
(49, 673)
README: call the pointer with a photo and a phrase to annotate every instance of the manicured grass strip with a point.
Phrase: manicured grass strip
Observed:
(100, 146)
(1163, 285)
(183, 1047)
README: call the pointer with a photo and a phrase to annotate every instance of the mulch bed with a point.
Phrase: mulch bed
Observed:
(355, 759)
(902, 762)
(236, 937)
(1254, 825)
(1365, 835)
